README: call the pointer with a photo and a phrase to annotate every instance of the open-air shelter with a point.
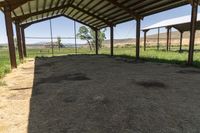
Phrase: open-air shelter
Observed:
(182, 24)
(96, 14)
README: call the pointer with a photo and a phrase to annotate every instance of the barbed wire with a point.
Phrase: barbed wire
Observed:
(63, 38)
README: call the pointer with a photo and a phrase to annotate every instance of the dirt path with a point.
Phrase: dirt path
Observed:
(15, 99)
(99, 94)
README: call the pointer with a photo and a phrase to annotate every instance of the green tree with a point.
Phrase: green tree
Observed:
(101, 37)
(88, 35)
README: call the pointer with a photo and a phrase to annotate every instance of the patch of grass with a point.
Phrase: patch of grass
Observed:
(161, 56)
(3, 70)
(151, 54)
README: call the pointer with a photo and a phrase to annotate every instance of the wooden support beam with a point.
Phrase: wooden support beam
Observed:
(19, 42)
(23, 41)
(158, 39)
(75, 38)
(13, 4)
(92, 15)
(138, 26)
(168, 35)
(79, 22)
(45, 19)
(97, 41)
(170, 38)
(129, 11)
(10, 34)
(24, 17)
(193, 31)
(145, 39)
(111, 41)
(38, 21)
(51, 33)
(181, 41)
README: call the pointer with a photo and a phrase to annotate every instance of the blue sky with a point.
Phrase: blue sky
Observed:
(64, 27)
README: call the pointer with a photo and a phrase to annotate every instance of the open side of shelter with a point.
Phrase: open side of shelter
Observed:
(181, 24)
(96, 14)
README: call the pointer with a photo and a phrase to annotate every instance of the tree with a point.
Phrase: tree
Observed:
(88, 35)
(59, 42)
(101, 37)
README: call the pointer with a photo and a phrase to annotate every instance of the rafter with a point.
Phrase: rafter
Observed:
(92, 15)
(57, 3)
(26, 25)
(96, 13)
(131, 12)
(26, 16)
(89, 2)
(38, 21)
(13, 4)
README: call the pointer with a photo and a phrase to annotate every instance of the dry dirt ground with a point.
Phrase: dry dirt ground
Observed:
(99, 94)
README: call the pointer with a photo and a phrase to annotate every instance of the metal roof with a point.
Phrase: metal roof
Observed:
(93, 13)
(180, 23)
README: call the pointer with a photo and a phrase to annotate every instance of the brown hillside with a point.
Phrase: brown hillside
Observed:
(152, 39)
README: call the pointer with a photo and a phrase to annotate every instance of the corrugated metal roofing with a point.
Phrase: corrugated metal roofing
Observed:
(94, 13)
(180, 23)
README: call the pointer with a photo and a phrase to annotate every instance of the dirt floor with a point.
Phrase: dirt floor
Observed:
(99, 94)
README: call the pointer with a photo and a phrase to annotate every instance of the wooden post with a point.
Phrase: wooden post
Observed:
(111, 41)
(170, 38)
(19, 42)
(145, 39)
(168, 30)
(51, 32)
(192, 30)
(181, 41)
(9, 29)
(75, 38)
(23, 41)
(138, 25)
(97, 42)
(158, 39)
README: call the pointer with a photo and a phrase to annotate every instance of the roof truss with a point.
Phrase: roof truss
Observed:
(97, 14)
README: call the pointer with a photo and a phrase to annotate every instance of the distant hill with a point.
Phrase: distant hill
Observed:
(43, 44)
(152, 39)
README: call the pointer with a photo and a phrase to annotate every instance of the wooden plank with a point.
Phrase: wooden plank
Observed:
(181, 41)
(168, 35)
(23, 41)
(111, 41)
(138, 26)
(9, 29)
(145, 39)
(158, 39)
(19, 42)
(193, 31)
(97, 41)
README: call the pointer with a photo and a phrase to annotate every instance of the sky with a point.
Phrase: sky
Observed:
(63, 27)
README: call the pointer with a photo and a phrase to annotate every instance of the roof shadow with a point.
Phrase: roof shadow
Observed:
(53, 91)
(71, 95)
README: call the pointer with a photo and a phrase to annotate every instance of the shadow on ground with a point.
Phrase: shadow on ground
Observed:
(97, 94)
